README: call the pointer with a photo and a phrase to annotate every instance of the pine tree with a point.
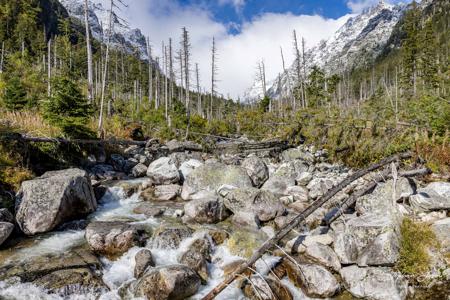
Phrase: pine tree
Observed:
(428, 62)
(68, 109)
(411, 49)
(15, 94)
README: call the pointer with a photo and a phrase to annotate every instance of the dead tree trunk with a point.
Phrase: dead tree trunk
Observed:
(297, 220)
(150, 71)
(187, 54)
(49, 67)
(89, 53)
(213, 77)
(199, 92)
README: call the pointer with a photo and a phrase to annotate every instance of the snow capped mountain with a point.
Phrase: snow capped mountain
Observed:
(131, 40)
(357, 43)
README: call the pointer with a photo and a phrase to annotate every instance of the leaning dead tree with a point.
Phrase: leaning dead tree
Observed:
(300, 218)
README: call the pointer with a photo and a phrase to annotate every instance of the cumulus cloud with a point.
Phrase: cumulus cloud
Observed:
(238, 54)
(237, 4)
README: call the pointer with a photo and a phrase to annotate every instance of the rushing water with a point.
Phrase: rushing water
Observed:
(117, 274)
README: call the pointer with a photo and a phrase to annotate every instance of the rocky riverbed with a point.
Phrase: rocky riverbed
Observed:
(163, 222)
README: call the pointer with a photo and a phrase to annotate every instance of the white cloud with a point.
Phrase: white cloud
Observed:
(237, 4)
(259, 38)
(357, 6)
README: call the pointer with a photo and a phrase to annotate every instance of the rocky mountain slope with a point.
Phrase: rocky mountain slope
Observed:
(357, 43)
(132, 40)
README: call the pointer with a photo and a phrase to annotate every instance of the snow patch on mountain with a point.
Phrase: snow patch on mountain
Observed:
(357, 43)
(131, 40)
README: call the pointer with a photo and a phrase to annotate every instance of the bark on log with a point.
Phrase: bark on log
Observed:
(267, 245)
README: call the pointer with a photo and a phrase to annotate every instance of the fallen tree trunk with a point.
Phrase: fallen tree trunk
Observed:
(350, 201)
(267, 245)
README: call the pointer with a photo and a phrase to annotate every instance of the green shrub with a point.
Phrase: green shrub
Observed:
(15, 95)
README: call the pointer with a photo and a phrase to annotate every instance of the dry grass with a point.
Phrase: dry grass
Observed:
(29, 122)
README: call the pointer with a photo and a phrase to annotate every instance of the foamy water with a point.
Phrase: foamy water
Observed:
(118, 274)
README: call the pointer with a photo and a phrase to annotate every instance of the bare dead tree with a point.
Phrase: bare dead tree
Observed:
(186, 55)
(288, 76)
(49, 67)
(172, 75)
(305, 99)
(150, 71)
(298, 69)
(164, 66)
(199, 91)
(180, 58)
(89, 53)
(214, 70)
(3, 57)
(157, 84)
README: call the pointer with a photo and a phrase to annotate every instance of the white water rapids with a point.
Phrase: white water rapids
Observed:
(117, 274)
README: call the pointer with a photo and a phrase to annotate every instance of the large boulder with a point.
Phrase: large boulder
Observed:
(139, 170)
(284, 177)
(196, 257)
(374, 283)
(382, 199)
(263, 204)
(435, 196)
(367, 240)
(209, 210)
(316, 281)
(321, 254)
(167, 192)
(54, 198)
(113, 238)
(256, 169)
(205, 180)
(297, 154)
(170, 236)
(6, 229)
(188, 166)
(318, 187)
(163, 171)
(173, 282)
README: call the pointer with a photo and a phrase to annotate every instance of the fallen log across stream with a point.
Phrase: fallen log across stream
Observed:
(301, 217)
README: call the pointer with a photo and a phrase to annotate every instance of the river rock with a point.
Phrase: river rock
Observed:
(261, 203)
(284, 177)
(256, 169)
(139, 170)
(80, 280)
(435, 196)
(382, 199)
(441, 229)
(187, 167)
(297, 154)
(167, 192)
(196, 257)
(6, 216)
(54, 198)
(163, 171)
(318, 187)
(206, 179)
(367, 240)
(316, 281)
(374, 283)
(209, 210)
(304, 178)
(170, 236)
(173, 282)
(266, 288)
(148, 209)
(113, 238)
(118, 162)
(143, 260)
(5, 231)
(298, 193)
(323, 255)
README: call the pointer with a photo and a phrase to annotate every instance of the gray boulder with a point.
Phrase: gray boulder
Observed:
(374, 283)
(316, 281)
(323, 255)
(170, 236)
(209, 210)
(196, 257)
(173, 282)
(113, 238)
(263, 204)
(256, 169)
(54, 198)
(441, 229)
(367, 240)
(167, 192)
(206, 179)
(435, 196)
(139, 170)
(318, 187)
(266, 288)
(163, 171)
(187, 167)
(5, 231)
(284, 177)
(297, 154)
(143, 260)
